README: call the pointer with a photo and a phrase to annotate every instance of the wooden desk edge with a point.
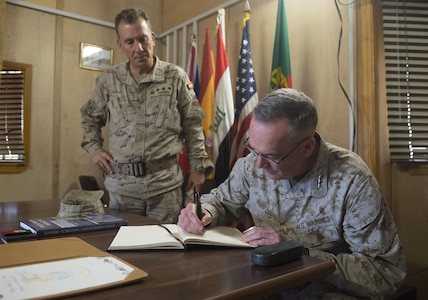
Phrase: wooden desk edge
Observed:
(277, 284)
(267, 287)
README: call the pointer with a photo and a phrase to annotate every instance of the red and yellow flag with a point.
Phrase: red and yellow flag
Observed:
(207, 95)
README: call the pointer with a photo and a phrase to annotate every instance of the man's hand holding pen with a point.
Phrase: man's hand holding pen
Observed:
(189, 220)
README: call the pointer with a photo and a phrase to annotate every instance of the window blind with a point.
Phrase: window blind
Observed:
(12, 117)
(406, 55)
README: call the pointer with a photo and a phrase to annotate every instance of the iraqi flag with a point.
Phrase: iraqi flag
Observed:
(223, 112)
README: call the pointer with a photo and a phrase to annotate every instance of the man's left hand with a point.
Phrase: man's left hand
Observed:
(260, 236)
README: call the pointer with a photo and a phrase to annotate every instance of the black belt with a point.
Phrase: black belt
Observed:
(141, 169)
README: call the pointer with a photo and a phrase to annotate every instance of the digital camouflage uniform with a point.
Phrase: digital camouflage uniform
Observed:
(336, 210)
(148, 121)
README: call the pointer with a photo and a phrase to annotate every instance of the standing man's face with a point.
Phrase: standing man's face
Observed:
(137, 42)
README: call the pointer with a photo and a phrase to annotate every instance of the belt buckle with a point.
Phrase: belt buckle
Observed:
(139, 169)
(134, 169)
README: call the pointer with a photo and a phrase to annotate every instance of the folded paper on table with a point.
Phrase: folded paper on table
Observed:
(33, 269)
(171, 236)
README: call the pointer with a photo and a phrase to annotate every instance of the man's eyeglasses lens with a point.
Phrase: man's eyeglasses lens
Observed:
(269, 159)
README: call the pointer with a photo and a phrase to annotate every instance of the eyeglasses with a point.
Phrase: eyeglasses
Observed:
(266, 156)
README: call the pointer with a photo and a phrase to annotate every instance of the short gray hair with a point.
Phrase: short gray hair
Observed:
(288, 104)
(130, 16)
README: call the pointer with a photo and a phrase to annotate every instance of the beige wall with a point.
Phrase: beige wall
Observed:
(75, 84)
(51, 45)
(30, 38)
(410, 198)
(60, 87)
(313, 28)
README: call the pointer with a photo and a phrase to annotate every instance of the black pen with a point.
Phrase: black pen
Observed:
(197, 198)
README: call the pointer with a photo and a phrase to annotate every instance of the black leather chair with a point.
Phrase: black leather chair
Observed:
(405, 292)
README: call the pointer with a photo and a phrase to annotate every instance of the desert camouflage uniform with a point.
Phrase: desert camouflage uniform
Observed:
(336, 210)
(147, 123)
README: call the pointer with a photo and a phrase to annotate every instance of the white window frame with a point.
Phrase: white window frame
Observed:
(15, 98)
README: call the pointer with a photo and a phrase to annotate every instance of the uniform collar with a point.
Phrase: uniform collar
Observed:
(314, 183)
(157, 75)
(318, 175)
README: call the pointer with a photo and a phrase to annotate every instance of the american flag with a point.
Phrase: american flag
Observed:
(246, 96)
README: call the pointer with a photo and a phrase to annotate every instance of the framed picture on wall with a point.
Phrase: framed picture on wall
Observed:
(95, 57)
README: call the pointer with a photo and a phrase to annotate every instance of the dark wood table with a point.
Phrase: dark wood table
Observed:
(199, 273)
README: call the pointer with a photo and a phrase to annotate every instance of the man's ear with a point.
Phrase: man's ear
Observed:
(309, 147)
(154, 38)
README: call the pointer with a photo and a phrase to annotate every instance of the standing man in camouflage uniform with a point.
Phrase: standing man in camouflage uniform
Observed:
(299, 187)
(151, 107)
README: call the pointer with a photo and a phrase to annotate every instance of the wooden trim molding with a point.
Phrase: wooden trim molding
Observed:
(366, 107)
(2, 17)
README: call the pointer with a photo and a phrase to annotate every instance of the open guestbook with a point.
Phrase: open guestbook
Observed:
(171, 236)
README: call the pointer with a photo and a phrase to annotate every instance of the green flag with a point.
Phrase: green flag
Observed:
(281, 66)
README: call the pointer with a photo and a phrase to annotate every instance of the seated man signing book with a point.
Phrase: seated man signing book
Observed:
(297, 187)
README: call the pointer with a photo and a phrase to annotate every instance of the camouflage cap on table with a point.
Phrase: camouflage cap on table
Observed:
(77, 203)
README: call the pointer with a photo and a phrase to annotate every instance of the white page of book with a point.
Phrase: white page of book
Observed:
(218, 235)
(57, 277)
(168, 236)
(145, 237)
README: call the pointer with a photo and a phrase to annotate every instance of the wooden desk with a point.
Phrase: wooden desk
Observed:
(176, 274)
